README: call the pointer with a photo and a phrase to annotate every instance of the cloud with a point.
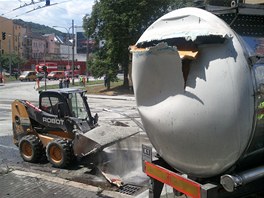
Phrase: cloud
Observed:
(60, 14)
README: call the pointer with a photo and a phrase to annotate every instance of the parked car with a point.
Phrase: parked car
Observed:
(7, 74)
(69, 74)
(28, 76)
(54, 75)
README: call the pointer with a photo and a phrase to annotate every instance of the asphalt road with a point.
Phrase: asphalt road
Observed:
(119, 161)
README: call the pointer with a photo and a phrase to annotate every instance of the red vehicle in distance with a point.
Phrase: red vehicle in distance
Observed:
(53, 66)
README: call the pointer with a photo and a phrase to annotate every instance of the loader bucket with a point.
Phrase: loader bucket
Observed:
(99, 138)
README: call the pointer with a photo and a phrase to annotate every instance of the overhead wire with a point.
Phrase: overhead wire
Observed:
(31, 4)
(22, 6)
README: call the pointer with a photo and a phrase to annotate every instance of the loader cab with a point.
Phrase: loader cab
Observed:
(64, 103)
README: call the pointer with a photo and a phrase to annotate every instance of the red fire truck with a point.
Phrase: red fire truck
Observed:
(53, 66)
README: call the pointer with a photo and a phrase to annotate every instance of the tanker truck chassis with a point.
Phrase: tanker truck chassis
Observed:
(238, 184)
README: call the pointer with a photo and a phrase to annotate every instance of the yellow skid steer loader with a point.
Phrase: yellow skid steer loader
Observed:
(62, 127)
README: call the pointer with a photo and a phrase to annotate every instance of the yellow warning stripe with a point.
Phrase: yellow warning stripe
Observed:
(174, 180)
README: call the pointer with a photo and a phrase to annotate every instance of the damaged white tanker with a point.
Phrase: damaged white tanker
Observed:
(200, 97)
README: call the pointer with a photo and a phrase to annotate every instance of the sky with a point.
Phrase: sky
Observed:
(60, 14)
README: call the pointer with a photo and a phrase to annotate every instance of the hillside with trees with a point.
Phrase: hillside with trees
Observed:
(37, 28)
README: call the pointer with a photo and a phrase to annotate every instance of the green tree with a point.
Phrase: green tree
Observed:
(120, 23)
(16, 61)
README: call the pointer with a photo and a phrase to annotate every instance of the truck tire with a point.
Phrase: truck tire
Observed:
(59, 153)
(31, 148)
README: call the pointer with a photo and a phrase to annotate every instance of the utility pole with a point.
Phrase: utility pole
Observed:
(9, 48)
(87, 55)
(68, 45)
(73, 43)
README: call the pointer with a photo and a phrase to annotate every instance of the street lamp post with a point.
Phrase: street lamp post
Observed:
(73, 43)
(68, 35)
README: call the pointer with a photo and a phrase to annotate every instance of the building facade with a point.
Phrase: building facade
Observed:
(19, 33)
(39, 48)
(34, 48)
(7, 35)
(53, 47)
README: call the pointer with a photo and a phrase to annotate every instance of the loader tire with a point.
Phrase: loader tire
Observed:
(59, 153)
(31, 148)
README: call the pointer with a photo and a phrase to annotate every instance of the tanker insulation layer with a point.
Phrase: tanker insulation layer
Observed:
(197, 93)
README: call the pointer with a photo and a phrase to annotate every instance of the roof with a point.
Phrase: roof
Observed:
(64, 91)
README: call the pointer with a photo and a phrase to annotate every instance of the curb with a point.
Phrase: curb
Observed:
(130, 98)
(74, 184)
